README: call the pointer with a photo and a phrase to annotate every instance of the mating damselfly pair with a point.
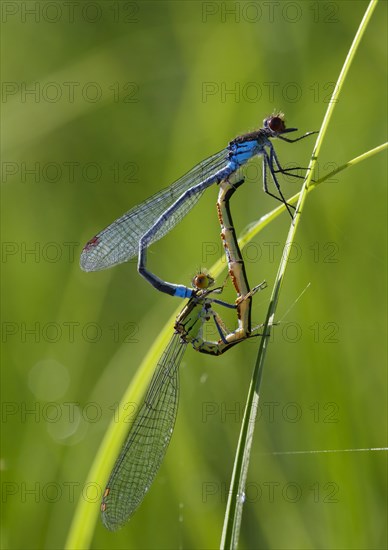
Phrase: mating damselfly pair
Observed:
(150, 433)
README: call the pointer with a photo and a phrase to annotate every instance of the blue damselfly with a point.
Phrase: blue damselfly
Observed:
(146, 223)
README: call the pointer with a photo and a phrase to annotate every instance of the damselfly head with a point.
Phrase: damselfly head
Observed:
(202, 280)
(275, 123)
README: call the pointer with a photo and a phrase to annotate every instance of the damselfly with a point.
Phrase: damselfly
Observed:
(150, 434)
(146, 223)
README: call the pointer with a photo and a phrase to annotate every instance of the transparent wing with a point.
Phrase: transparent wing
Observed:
(147, 442)
(119, 241)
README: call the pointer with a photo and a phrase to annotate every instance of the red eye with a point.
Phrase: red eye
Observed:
(276, 124)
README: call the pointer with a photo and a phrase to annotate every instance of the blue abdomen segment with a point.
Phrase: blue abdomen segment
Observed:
(183, 292)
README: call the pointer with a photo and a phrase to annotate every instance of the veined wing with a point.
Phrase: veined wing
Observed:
(147, 441)
(119, 241)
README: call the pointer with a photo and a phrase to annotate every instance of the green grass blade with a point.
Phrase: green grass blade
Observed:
(232, 521)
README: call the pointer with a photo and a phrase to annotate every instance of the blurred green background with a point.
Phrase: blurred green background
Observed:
(105, 103)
